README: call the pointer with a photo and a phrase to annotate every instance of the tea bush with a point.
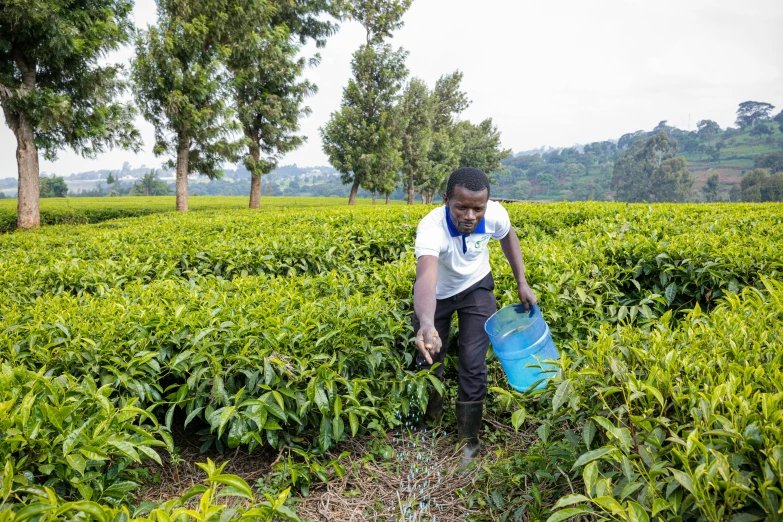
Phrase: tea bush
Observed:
(72, 436)
(292, 327)
(81, 211)
(680, 422)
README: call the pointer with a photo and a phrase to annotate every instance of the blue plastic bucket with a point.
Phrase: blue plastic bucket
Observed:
(521, 340)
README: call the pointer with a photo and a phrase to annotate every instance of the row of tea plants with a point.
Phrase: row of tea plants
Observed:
(292, 328)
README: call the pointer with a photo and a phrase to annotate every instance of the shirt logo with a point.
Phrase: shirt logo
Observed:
(481, 242)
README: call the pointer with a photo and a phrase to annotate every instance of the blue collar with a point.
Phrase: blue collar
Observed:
(480, 228)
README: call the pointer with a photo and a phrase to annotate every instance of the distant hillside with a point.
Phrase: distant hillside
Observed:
(585, 171)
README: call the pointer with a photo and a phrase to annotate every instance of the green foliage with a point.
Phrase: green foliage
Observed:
(686, 414)
(772, 162)
(73, 436)
(651, 171)
(758, 185)
(200, 502)
(480, 145)
(268, 94)
(710, 189)
(416, 113)
(751, 112)
(54, 187)
(50, 78)
(220, 321)
(176, 78)
(361, 139)
(762, 129)
(447, 102)
(380, 18)
(708, 129)
(96, 210)
(150, 185)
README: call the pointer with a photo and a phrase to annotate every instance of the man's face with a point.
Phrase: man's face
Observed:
(467, 208)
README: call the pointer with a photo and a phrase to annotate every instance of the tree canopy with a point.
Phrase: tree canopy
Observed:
(178, 86)
(362, 137)
(54, 187)
(53, 91)
(650, 171)
(751, 112)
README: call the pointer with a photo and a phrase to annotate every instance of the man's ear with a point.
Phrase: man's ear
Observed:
(445, 199)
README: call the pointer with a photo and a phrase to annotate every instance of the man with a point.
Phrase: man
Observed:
(453, 274)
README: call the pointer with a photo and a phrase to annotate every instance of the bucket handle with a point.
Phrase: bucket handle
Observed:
(520, 309)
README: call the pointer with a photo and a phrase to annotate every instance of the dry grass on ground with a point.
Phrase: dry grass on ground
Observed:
(408, 476)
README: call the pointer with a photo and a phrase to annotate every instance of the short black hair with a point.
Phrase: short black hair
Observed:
(471, 178)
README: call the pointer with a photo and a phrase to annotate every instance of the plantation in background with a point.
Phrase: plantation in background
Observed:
(289, 327)
(65, 211)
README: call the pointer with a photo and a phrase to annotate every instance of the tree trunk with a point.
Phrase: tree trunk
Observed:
(28, 210)
(354, 191)
(28, 213)
(373, 197)
(255, 180)
(182, 176)
(411, 191)
(388, 196)
(255, 191)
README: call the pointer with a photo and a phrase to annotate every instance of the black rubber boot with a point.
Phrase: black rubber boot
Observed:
(434, 411)
(469, 416)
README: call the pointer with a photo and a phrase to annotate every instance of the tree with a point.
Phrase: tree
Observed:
(54, 187)
(650, 171)
(150, 185)
(268, 95)
(547, 180)
(266, 82)
(750, 112)
(480, 146)
(416, 133)
(710, 188)
(762, 129)
(712, 152)
(178, 86)
(773, 162)
(52, 90)
(110, 179)
(758, 186)
(718, 148)
(773, 188)
(751, 184)
(362, 138)
(521, 189)
(448, 101)
(708, 129)
(626, 140)
(662, 126)
(779, 120)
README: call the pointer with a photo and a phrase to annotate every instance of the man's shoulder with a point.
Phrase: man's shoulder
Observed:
(496, 211)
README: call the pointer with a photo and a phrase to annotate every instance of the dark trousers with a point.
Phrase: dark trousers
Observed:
(474, 306)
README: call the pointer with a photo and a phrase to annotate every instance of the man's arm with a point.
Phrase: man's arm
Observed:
(513, 252)
(427, 340)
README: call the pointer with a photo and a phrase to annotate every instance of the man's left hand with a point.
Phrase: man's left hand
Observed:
(526, 296)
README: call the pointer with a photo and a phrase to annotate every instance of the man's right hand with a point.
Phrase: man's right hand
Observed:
(428, 342)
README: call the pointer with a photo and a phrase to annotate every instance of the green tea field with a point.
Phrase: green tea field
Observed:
(227, 364)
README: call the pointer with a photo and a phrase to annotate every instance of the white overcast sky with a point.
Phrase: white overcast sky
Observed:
(548, 72)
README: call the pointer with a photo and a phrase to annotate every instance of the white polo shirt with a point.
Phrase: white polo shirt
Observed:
(463, 259)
